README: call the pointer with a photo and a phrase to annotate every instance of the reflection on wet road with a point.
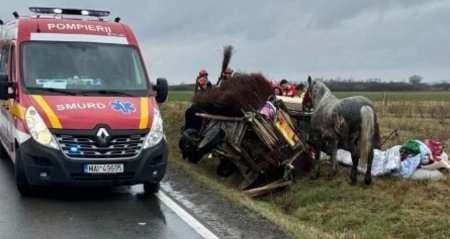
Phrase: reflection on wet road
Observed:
(123, 212)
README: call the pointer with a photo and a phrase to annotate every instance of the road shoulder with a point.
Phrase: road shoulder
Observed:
(225, 219)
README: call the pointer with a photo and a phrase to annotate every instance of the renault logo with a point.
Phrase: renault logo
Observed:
(102, 136)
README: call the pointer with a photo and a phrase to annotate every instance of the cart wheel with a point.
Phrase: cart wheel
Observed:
(249, 179)
(225, 168)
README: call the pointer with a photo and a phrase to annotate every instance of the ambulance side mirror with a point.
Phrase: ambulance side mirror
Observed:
(5, 87)
(162, 90)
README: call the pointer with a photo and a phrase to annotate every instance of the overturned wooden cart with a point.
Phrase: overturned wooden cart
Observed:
(261, 149)
(249, 130)
(299, 113)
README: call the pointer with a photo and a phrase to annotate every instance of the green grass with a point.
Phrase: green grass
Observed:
(331, 207)
(179, 96)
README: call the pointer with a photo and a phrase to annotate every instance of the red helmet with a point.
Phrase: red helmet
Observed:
(229, 70)
(202, 72)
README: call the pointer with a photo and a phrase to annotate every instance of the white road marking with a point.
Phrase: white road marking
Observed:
(190, 220)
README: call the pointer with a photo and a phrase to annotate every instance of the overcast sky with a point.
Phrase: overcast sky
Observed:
(387, 39)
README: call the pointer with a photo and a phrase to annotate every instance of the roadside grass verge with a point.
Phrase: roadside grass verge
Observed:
(180, 96)
(332, 208)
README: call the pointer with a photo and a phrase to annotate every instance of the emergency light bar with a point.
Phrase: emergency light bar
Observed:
(68, 11)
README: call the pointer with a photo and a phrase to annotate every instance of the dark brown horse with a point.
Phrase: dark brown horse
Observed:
(349, 123)
(241, 92)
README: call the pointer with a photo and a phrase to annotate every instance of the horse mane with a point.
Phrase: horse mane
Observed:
(243, 91)
(318, 91)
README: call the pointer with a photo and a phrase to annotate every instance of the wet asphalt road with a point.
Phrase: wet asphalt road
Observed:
(122, 212)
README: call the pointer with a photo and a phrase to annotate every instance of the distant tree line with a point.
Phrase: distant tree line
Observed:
(182, 87)
(414, 83)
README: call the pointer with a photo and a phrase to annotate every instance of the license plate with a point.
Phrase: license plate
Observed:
(286, 130)
(103, 168)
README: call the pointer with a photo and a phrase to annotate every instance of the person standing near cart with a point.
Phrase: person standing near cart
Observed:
(202, 83)
(225, 76)
(288, 89)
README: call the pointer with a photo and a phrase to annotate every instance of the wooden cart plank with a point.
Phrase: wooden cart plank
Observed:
(219, 117)
(254, 192)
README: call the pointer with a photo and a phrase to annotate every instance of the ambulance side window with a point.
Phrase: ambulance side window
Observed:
(4, 60)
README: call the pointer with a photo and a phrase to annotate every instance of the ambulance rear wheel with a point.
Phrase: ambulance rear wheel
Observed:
(150, 188)
(24, 187)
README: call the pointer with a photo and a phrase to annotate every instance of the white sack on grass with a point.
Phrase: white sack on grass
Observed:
(443, 163)
(384, 162)
(426, 174)
(324, 156)
(344, 157)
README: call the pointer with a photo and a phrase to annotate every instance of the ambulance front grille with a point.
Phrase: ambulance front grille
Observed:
(86, 147)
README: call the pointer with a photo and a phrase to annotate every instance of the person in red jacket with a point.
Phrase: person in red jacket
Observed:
(202, 82)
(288, 88)
(277, 90)
(227, 74)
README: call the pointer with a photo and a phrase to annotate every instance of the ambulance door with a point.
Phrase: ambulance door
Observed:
(7, 66)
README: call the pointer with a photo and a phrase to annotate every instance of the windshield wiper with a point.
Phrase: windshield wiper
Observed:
(61, 91)
(109, 92)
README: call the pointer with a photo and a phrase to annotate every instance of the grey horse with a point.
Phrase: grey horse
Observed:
(349, 123)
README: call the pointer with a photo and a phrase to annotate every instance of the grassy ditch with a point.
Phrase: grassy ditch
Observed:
(331, 208)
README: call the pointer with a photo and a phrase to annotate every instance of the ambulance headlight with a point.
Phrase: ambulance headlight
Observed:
(156, 131)
(38, 129)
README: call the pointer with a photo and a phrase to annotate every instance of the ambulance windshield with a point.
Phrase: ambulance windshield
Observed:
(85, 68)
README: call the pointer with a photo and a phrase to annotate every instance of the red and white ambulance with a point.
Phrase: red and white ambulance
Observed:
(77, 105)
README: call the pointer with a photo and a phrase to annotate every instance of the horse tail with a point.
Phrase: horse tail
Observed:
(368, 132)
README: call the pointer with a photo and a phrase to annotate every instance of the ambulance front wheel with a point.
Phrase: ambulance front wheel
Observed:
(150, 188)
(24, 187)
